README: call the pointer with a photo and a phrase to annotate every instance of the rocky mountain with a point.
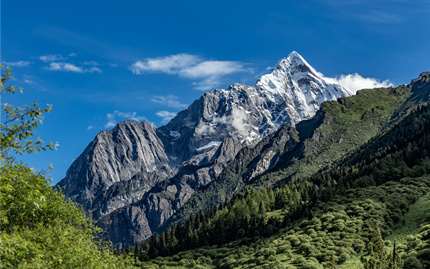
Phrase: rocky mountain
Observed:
(354, 176)
(338, 129)
(134, 177)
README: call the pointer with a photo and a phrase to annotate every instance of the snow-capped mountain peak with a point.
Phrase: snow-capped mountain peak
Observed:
(292, 92)
(295, 63)
(199, 141)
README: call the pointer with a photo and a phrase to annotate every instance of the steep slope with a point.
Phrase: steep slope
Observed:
(292, 92)
(140, 175)
(142, 216)
(114, 155)
(337, 130)
(335, 216)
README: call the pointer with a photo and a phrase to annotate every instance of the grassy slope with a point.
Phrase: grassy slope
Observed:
(343, 127)
(411, 223)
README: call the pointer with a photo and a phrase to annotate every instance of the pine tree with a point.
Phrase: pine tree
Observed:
(378, 259)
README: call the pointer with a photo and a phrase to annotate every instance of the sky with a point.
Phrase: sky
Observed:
(99, 62)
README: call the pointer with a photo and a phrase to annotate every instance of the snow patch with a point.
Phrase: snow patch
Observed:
(175, 134)
(210, 145)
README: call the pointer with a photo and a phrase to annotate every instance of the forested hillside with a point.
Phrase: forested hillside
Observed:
(334, 209)
(338, 129)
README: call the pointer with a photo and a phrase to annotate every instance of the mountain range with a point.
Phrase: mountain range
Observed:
(131, 179)
(350, 189)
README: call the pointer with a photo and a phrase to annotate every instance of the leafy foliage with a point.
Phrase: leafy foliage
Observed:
(19, 123)
(39, 229)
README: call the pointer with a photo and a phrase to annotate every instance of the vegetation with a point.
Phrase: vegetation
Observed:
(39, 229)
(336, 217)
(334, 232)
(339, 129)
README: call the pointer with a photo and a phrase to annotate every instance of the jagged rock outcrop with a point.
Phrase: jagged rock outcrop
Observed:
(139, 175)
(115, 155)
(292, 92)
(165, 198)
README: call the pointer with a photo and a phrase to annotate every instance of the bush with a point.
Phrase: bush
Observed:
(312, 265)
(412, 263)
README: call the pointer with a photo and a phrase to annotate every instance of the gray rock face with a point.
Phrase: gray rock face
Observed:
(291, 93)
(421, 76)
(115, 155)
(135, 176)
(154, 206)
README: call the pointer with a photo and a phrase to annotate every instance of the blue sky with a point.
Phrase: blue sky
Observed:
(101, 62)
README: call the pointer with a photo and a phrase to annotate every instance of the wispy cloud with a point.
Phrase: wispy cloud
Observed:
(210, 72)
(52, 58)
(57, 63)
(69, 67)
(89, 44)
(207, 73)
(90, 127)
(169, 100)
(29, 80)
(355, 82)
(379, 12)
(17, 63)
(116, 116)
(93, 63)
(379, 16)
(166, 116)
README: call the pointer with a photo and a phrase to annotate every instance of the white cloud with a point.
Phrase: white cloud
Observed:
(208, 73)
(239, 121)
(355, 82)
(93, 63)
(116, 116)
(90, 127)
(211, 68)
(169, 100)
(29, 80)
(236, 122)
(208, 83)
(51, 58)
(166, 115)
(171, 64)
(68, 67)
(73, 54)
(204, 128)
(17, 64)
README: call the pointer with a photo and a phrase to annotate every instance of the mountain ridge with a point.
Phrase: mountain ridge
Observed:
(338, 128)
(239, 115)
(341, 213)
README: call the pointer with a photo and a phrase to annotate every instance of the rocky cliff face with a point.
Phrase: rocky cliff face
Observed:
(292, 92)
(138, 175)
(114, 156)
